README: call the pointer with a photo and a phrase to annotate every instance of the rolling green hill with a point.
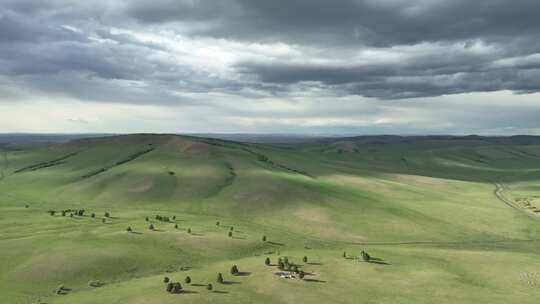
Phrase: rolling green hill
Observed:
(426, 209)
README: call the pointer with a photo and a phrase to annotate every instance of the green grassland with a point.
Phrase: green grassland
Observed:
(425, 209)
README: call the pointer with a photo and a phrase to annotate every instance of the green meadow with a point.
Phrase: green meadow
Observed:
(427, 212)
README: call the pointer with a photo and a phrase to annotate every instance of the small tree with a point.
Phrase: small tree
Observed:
(365, 256)
(281, 265)
(147, 219)
(294, 269)
(344, 254)
(103, 220)
(305, 259)
(177, 288)
(107, 214)
(170, 286)
(174, 217)
(234, 270)
(217, 224)
(264, 238)
(129, 229)
(52, 212)
(209, 287)
(267, 261)
(175, 226)
(188, 280)
(93, 215)
(189, 230)
(151, 227)
(63, 213)
(232, 228)
(230, 233)
(220, 278)
(166, 280)
(301, 274)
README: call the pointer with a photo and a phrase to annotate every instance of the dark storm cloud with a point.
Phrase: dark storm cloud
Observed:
(371, 22)
(438, 47)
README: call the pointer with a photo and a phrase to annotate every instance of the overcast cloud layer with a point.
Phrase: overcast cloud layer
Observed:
(301, 66)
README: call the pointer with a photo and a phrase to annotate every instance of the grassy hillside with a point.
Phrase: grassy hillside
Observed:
(424, 208)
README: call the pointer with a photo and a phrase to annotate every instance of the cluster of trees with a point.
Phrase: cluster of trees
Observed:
(78, 212)
(174, 287)
(163, 218)
(285, 265)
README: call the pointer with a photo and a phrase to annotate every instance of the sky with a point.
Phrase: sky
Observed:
(281, 66)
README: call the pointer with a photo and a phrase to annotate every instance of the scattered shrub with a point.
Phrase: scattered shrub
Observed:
(209, 287)
(151, 227)
(305, 259)
(176, 226)
(169, 287)
(51, 212)
(234, 270)
(189, 230)
(264, 238)
(217, 224)
(220, 278)
(107, 214)
(103, 220)
(93, 215)
(267, 261)
(128, 229)
(188, 280)
(230, 233)
(301, 274)
(166, 280)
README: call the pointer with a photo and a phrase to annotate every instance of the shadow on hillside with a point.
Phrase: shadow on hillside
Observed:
(220, 291)
(243, 274)
(315, 280)
(230, 283)
(275, 243)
